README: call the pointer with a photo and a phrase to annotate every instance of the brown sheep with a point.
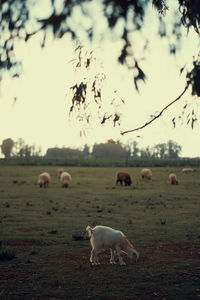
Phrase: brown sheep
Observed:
(44, 179)
(123, 177)
(173, 179)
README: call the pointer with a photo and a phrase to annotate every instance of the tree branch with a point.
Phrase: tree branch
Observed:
(159, 114)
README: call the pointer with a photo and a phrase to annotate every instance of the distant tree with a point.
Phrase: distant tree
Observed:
(86, 151)
(160, 150)
(54, 153)
(19, 21)
(19, 147)
(173, 149)
(109, 150)
(135, 150)
(23, 150)
(66, 153)
(146, 153)
(6, 147)
(35, 150)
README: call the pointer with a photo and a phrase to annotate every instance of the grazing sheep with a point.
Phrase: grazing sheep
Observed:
(60, 171)
(123, 177)
(173, 179)
(187, 170)
(146, 174)
(104, 238)
(65, 179)
(44, 179)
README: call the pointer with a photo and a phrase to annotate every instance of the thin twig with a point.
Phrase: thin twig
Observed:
(158, 115)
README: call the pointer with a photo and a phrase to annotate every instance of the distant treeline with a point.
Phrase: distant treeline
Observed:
(111, 153)
(91, 162)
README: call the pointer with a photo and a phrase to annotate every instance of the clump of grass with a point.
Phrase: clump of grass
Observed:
(53, 231)
(34, 252)
(5, 253)
(163, 221)
(79, 236)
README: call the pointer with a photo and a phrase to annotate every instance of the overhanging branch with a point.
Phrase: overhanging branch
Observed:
(159, 114)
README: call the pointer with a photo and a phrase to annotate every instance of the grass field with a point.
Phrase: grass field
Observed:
(44, 252)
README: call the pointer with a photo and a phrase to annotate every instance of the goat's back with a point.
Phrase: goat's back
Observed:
(105, 237)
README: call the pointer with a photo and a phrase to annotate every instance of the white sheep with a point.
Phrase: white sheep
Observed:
(60, 171)
(146, 174)
(187, 170)
(173, 179)
(65, 179)
(44, 179)
(105, 238)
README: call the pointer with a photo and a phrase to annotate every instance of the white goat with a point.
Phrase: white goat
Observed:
(103, 238)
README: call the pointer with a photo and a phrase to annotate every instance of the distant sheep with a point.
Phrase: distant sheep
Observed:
(187, 170)
(60, 171)
(146, 174)
(123, 177)
(44, 179)
(65, 179)
(105, 238)
(173, 179)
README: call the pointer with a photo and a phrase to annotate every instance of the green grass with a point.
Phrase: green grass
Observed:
(45, 229)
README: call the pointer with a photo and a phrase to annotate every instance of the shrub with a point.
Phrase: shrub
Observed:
(79, 236)
(6, 254)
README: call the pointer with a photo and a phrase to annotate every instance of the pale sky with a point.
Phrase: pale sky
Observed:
(41, 113)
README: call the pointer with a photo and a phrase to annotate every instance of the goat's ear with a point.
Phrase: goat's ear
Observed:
(89, 230)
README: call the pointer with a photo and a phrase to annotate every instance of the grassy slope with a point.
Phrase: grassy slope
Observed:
(161, 220)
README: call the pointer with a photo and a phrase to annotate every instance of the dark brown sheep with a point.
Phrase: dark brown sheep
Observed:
(173, 178)
(123, 177)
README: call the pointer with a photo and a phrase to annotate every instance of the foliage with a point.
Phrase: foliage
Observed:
(7, 146)
(19, 149)
(115, 150)
(19, 20)
(109, 150)
(88, 90)
(64, 153)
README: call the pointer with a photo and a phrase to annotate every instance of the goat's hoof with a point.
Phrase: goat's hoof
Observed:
(95, 264)
(122, 264)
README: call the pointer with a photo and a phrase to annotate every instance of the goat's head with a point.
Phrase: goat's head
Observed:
(129, 249)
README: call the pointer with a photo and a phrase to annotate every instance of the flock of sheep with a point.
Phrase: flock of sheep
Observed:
(121, 177)
(44, 178)
(104, 237)
(146, 174)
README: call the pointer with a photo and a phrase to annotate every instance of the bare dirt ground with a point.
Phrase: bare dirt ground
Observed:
(162, 266)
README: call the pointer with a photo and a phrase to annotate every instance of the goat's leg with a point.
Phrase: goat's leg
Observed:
(93, 257)
(121, 262)
(112, 259)
(97, 260)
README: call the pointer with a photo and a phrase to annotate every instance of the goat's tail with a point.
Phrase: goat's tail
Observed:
(89, 230)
